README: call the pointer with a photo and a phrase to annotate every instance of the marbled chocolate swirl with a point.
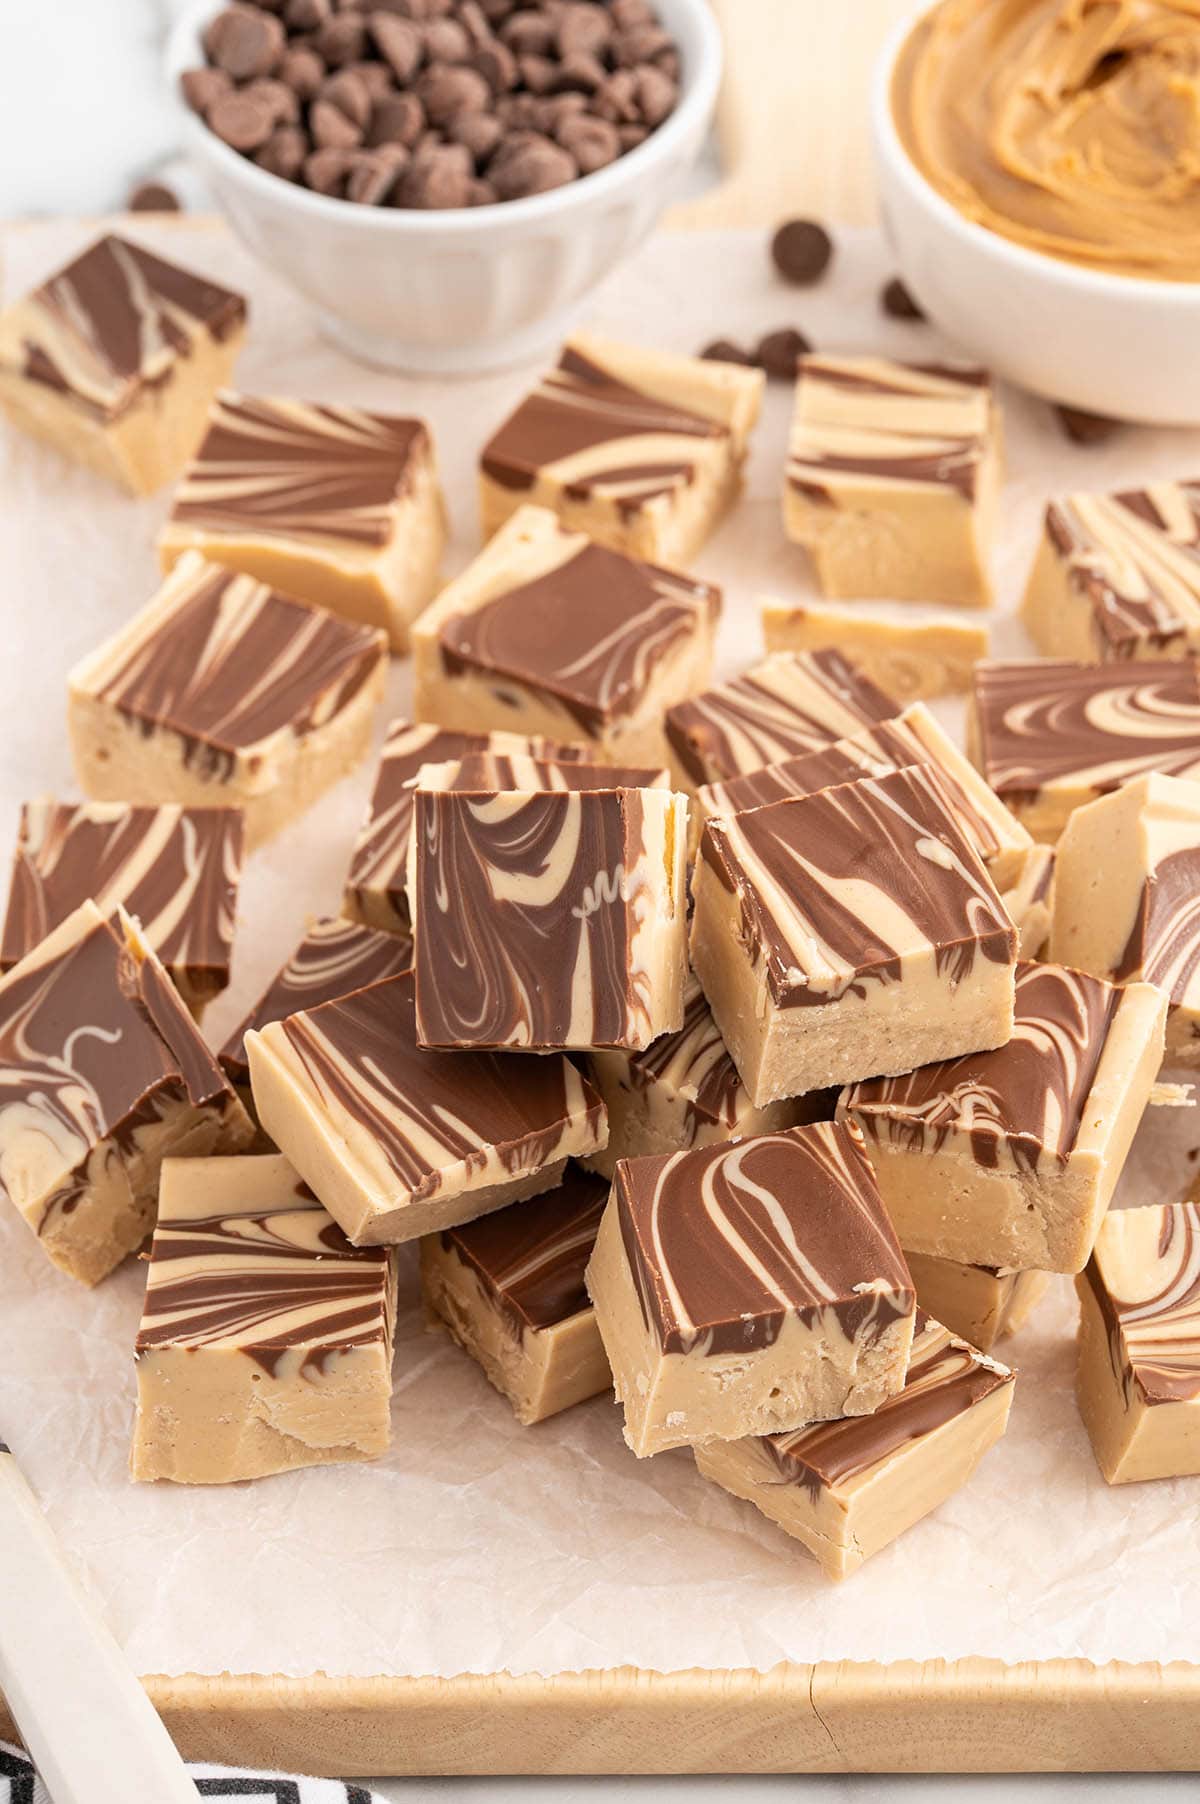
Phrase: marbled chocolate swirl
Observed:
(1135, 558)
(299, 469)
(863, 421)
(725, 1242)
(1145, 1276)
(530, 1258)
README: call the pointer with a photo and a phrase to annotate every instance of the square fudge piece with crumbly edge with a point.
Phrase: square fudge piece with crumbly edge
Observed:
(641, 450)
(509, 1288)
(547, 632)
(914, 658)
(103, 1074)
(846, 1489)
(115, 359)
(1138, 1377)
(398, 1141)
(223, 691)
(1010, 1157)
(913, 737)
(175, 870)
(1117, 577)
(376, 890)
(893, 478)
(335, 506)
(745, 1289)
(684, 1091)
(548, 920)
(850, 932)
(792, 703)
(266, 1338)
(1127, 876)
(982, 1303)
(1049, 735)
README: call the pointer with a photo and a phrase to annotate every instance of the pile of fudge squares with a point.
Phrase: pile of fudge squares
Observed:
(748, 1050)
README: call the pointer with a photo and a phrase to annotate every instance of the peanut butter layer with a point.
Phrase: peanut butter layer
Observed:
(1069, 126)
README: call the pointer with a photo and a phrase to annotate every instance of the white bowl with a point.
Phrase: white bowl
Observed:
(1117, 345)
(470, 290)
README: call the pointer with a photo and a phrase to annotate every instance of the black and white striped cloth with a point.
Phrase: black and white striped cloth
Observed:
(19, 1784)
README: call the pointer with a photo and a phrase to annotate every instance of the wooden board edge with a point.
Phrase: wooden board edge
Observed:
(906, 1717)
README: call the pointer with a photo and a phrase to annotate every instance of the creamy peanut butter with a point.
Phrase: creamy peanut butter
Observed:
(1069, 126)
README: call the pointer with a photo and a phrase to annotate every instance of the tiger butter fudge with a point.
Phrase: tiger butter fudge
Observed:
(328, 503)
(912, 659)
(640, 450)
(1127, 897)
(1050, 735)
(1138, 1376)
(684, 1091)
(549, 633)
(982, 1303)
(398, 1141)
(115, 359)
(1029, 902)
(1118, 576)
(223, 691)
(745, 1289)
(893, 478)
(546, 919)
(175, 870)
(509, 1288)
(846, 1489)
(849, 932)
(376, 890)
(102, 1074)
(266, 1338)
(1010, 1157)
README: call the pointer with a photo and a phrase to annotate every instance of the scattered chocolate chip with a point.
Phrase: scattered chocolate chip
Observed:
(331, 129)
(779, 352)
(801, 250)
(583, 28)
(243, 121)
(284, 152)
(283, 102)
(445, 91)
(537, 72)
(532, 167)
(480, 132)
(723, 350)
(154, 197)
(400, 119)
(303, 71)
(897, 302)
(580, 71)
(441, 176)
(201, 88)
(497, 65)
(592, 142)
(328, 171)
(307, 15)
(1084, 428)
(349, 93)
(342, 39)
(399, 43)
(641, 44)
(446, 42)
(617, 99)
(528, 33)
(374, 173)
(245, 42)
(656, 95)
(375, 77)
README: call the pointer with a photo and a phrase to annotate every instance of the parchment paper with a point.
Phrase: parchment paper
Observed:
(478, 1545)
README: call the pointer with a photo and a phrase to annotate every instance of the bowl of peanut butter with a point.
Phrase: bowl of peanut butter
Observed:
(1039, 169)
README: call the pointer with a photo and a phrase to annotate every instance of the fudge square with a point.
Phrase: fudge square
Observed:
(333, 505)
(790, 704)
(917, 657)
(266, 1338)
(640, 450)
(743, 1289)
(981, 1303)
(1010, 1157)
(1138, 1376)
(1118, 576)
(893, 478)
(683, 1091)
(1127, 897)
(376, 891)
(544, 919)
(223, 691)
(1050, 735)
(115, 359)
(509, 1288)
(549, 633)
(846, 1489)
(102, 1074)
(849, 932)
(175, 870)
(397, 1141)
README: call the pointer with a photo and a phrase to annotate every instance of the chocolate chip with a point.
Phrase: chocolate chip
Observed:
(374, 174)
(399, 43)
(896, 301)
(583, 29)
(328, 171)
(617, 100)
(201, 88)
(497, 65)
(592, 142)
(307, 15)
(641, 44)
(581, 71)
(245, 42)
(473, 20)
(375, 77)
(303, 71)
(482, 194)
(528, 33)
(628, 13)
(330, 127)
(282, 100)
(537, 72)
(400, 119)
(445, 91)
(440, 177)
(632, 135)
(446, 42)
(479, 132)
(656, 95)
(284, 152)
(723, 350)
(533, 167)
(342, 39)
(349, 93)
(1084, 428)
(779, 352)
(242, 120)
(153, 197)
(801, 250)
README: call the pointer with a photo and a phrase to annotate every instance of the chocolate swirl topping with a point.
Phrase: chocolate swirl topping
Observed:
(791, 704)
(725, 1242)
(334, 958)
(175, 869)
(300, 470)
(1135, 559)
(111, 322)
(839, 888)
(1145, 1276)
(590, 633)
(1021, 1104)
(1163, 946)
(530, 1258)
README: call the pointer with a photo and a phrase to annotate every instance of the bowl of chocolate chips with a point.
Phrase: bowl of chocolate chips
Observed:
(445, 180)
